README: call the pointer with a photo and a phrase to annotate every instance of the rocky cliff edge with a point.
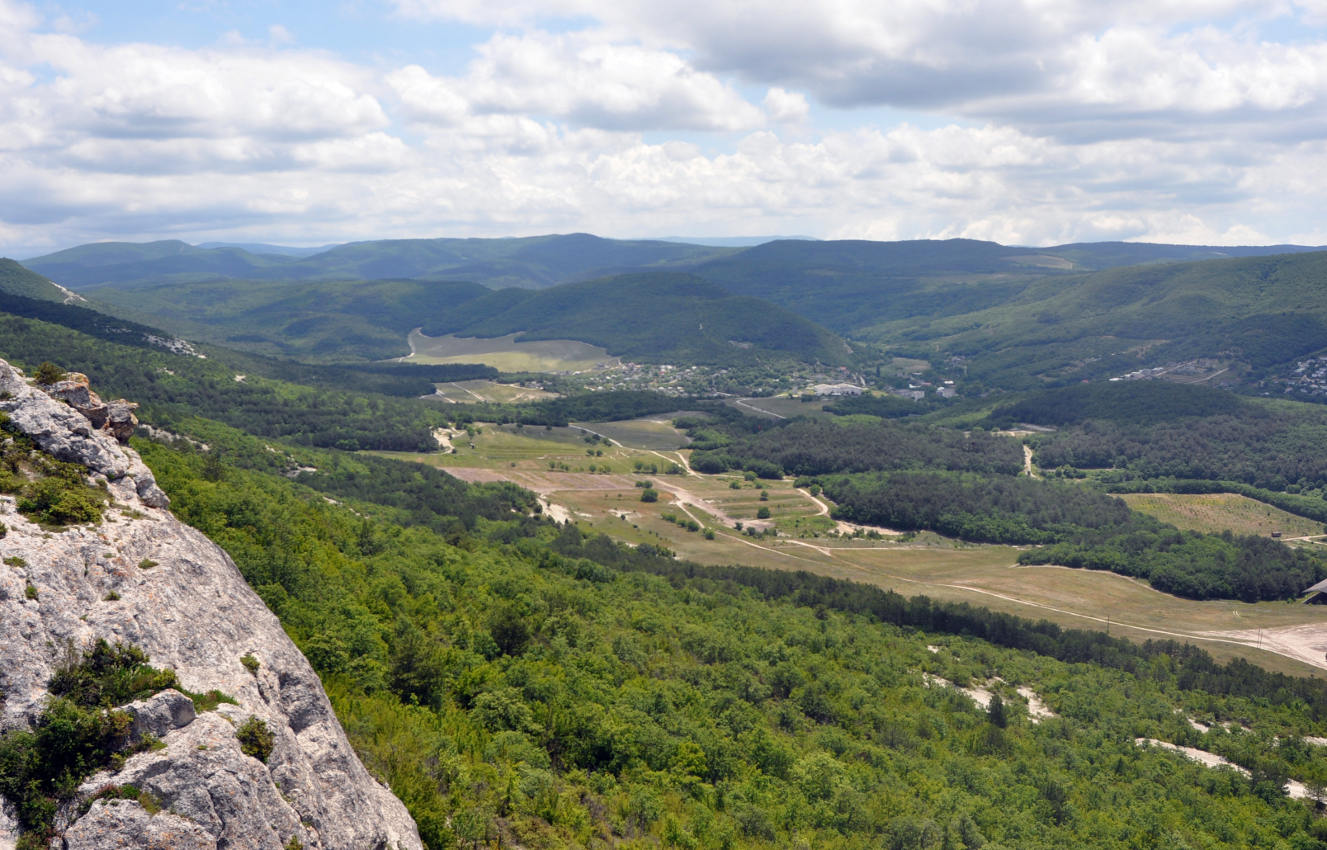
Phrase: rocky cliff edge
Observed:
(142, 578)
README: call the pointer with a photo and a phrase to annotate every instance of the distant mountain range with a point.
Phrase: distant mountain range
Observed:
(539, 261)
(532, 262)
(1012, 316)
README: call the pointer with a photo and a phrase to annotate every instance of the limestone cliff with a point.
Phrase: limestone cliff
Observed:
(143, 578)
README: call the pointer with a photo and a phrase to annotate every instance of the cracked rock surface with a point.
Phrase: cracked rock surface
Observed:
(183, 602)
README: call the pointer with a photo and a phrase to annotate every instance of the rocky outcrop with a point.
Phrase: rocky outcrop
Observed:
(143, 578)
(111, 824)
(116, 417)
(63, 432)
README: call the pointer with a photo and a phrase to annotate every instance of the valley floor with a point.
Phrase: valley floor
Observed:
(709, 519)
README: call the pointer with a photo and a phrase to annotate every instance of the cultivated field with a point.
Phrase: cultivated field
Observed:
(508, 355)
(596, 485)
(1219, 512)
(651, 432)
(777, 407)
(469, 392)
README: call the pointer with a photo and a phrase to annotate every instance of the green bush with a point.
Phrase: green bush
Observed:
(48, 373)
(255, 738)
(250, 662)
(58, 501)
(77, 734)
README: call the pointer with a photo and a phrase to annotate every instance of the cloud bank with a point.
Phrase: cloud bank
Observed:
(1023, 121)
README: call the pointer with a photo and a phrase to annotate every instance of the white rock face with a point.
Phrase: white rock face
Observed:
(184, 603)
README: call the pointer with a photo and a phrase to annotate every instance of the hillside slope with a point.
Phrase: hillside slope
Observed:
(334, 320)
(1252, 313)
(17, 280)
(660, 317)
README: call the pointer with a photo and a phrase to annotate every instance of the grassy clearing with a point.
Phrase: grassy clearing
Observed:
(778, 407)
(908, 365)
(655, 432)
(471, 392)
(508, 355)
(1217, 512)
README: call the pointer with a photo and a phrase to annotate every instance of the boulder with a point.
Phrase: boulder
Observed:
(160, 714)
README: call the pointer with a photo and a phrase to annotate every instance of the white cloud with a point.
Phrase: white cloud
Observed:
(1048, 122)
(579, 80)
(169, 92)
(1079, 69)
(785, 107)
(427, 98)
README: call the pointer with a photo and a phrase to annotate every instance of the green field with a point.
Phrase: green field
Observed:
(508, 355)
(653, 432)
(779, 407)
(1217, 512)
(473, 392)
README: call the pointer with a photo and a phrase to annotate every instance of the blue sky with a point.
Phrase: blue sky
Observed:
(1029, 122)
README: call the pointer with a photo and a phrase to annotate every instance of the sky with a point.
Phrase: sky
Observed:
(1028, 122)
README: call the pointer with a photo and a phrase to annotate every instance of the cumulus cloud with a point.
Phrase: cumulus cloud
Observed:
(579, 80)
(1110, 69)
(1030, 122)
(785, 107)
(168, 92)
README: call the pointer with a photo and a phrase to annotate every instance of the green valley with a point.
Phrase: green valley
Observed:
(554, 611)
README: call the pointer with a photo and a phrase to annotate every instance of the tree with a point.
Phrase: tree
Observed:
(649, 494)
(763, 512)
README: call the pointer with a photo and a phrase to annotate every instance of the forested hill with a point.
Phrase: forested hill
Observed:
(657, 317)
(23, 282)
(1013, 317)
(653, 317)
(1246, 315)
(305, 320)
(534, 262)
(539, 261)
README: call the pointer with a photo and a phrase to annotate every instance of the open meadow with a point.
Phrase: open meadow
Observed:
(651, 432)
(1217, 512)
(506, 354)
(480, 391)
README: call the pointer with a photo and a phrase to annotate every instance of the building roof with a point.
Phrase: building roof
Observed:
(1320, 587)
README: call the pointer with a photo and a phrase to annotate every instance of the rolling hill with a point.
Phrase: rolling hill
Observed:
(1013, 316)
(532, 262)
(657, 317)
(1247, 315)
(336, 320)
(854, 286)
